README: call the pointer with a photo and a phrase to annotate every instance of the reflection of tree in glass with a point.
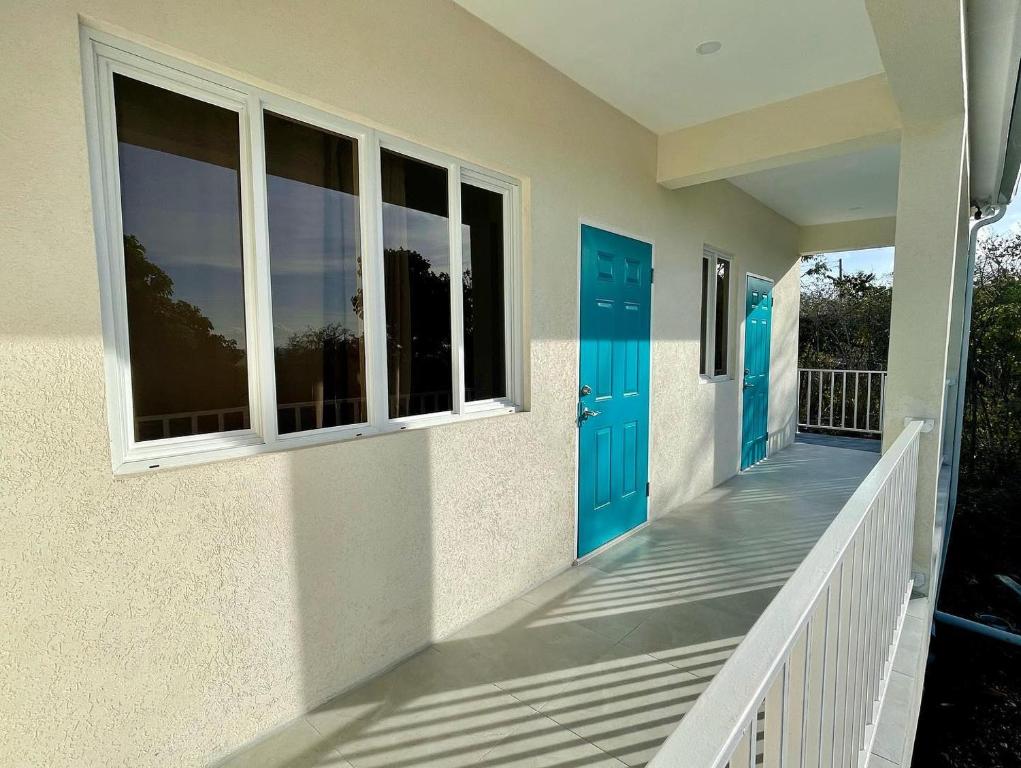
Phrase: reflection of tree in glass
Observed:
(178, 362)
(320, 365)
(417, 331)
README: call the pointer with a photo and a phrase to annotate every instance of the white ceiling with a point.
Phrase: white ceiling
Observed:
(640, 56)
(860, 185)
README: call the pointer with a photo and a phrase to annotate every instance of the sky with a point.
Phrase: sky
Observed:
(880, 260)
(1009, 224)
(877, 260)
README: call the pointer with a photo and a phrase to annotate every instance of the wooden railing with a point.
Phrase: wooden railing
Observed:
(841, 400)
(805, 686)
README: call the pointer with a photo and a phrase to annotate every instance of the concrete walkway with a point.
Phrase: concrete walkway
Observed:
(596, 666)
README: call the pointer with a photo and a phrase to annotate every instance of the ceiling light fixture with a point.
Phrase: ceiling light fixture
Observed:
(709, 46)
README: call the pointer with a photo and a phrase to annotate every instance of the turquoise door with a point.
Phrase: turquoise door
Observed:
(613, 390)
(758, 317)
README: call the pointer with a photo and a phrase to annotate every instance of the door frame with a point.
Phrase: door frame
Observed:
(614, 230)
(741, 358)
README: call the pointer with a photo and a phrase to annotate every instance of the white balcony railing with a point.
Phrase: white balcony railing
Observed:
(840, 400)
(805, 686)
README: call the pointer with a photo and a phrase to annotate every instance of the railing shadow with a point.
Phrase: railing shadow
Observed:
(598, 665)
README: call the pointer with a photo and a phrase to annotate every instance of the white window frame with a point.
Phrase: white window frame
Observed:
(713, 256)
(102, 56)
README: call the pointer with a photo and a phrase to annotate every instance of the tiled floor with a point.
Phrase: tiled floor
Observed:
(598, 665)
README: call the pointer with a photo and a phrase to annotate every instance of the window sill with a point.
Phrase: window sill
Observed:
(704, 379)
(133, 465)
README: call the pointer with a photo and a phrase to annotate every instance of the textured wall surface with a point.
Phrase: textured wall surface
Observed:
(166, 619)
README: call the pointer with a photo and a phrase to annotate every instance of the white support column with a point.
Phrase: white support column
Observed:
(921, 43)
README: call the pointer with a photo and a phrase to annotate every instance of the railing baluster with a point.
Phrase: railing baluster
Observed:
(856, 399)
(868, 400)
(818, 416)
(833, 395)
(815, 682)
(854, 655)
(797, 697)
(744, 753)
(843, 402)
(773, 727)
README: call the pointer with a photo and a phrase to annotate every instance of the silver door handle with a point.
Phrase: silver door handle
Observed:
(588, 413)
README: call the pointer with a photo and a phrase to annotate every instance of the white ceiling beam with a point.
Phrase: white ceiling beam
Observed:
(834, 121)
(847, 235)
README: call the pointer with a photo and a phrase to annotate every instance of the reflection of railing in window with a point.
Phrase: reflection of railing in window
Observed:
(423, 402)
(291, 417)
(191, 423)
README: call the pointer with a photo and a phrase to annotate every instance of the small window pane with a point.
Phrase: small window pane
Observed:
(416, 253)
(722, 316)
(482, 281)
(702, 323)
(179, 162)
(315, 265)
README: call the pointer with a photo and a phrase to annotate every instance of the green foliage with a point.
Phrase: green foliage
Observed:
(178, 363)
(845, 320)
(991, 445)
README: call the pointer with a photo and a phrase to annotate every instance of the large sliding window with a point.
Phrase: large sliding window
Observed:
(275, 276)
(714, 346)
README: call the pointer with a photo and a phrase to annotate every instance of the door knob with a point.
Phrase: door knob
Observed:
(587, 413)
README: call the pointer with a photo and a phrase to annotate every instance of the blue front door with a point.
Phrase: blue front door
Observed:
(758, 316)
(613, 399)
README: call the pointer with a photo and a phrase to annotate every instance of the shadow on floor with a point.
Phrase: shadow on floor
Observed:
(871, 444)
(598, 665)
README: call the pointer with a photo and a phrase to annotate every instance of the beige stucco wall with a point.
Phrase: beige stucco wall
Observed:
(166, 619)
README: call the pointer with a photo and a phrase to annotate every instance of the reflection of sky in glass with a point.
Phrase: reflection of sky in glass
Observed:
(314, 248)
(418, 231)
(186, 214)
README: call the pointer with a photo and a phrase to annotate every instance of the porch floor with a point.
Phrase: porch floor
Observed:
(596, 666)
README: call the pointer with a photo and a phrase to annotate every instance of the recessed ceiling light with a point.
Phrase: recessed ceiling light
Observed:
(709, 46)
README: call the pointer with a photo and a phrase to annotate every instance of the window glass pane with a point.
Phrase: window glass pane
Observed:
(315, 265)
(702, 323)
(181, 207)
(722, 315)
(416, 253)
(482, 282)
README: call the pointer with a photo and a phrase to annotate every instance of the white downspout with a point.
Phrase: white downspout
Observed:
(992, 215)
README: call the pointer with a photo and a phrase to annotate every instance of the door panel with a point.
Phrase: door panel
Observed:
(758, 324)
(613, 402)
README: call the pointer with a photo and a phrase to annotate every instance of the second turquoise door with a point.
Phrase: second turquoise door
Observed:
(613, 388)
(757, 326)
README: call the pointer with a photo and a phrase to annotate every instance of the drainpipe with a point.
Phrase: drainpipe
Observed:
(992, 214)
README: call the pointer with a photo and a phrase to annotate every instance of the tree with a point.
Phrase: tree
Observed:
(845, 320)
(178, 362)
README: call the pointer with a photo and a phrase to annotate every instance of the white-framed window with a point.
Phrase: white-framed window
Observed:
(714, 346)
(273, 275)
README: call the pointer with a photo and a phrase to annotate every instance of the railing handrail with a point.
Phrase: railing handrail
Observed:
(840, 370)
(711, 730)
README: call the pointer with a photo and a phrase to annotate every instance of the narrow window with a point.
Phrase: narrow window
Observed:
(714, 336)
(722, 316)
(315, 265)
(705, 311)
(482, 261)
(416, 254)
(179, 164)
